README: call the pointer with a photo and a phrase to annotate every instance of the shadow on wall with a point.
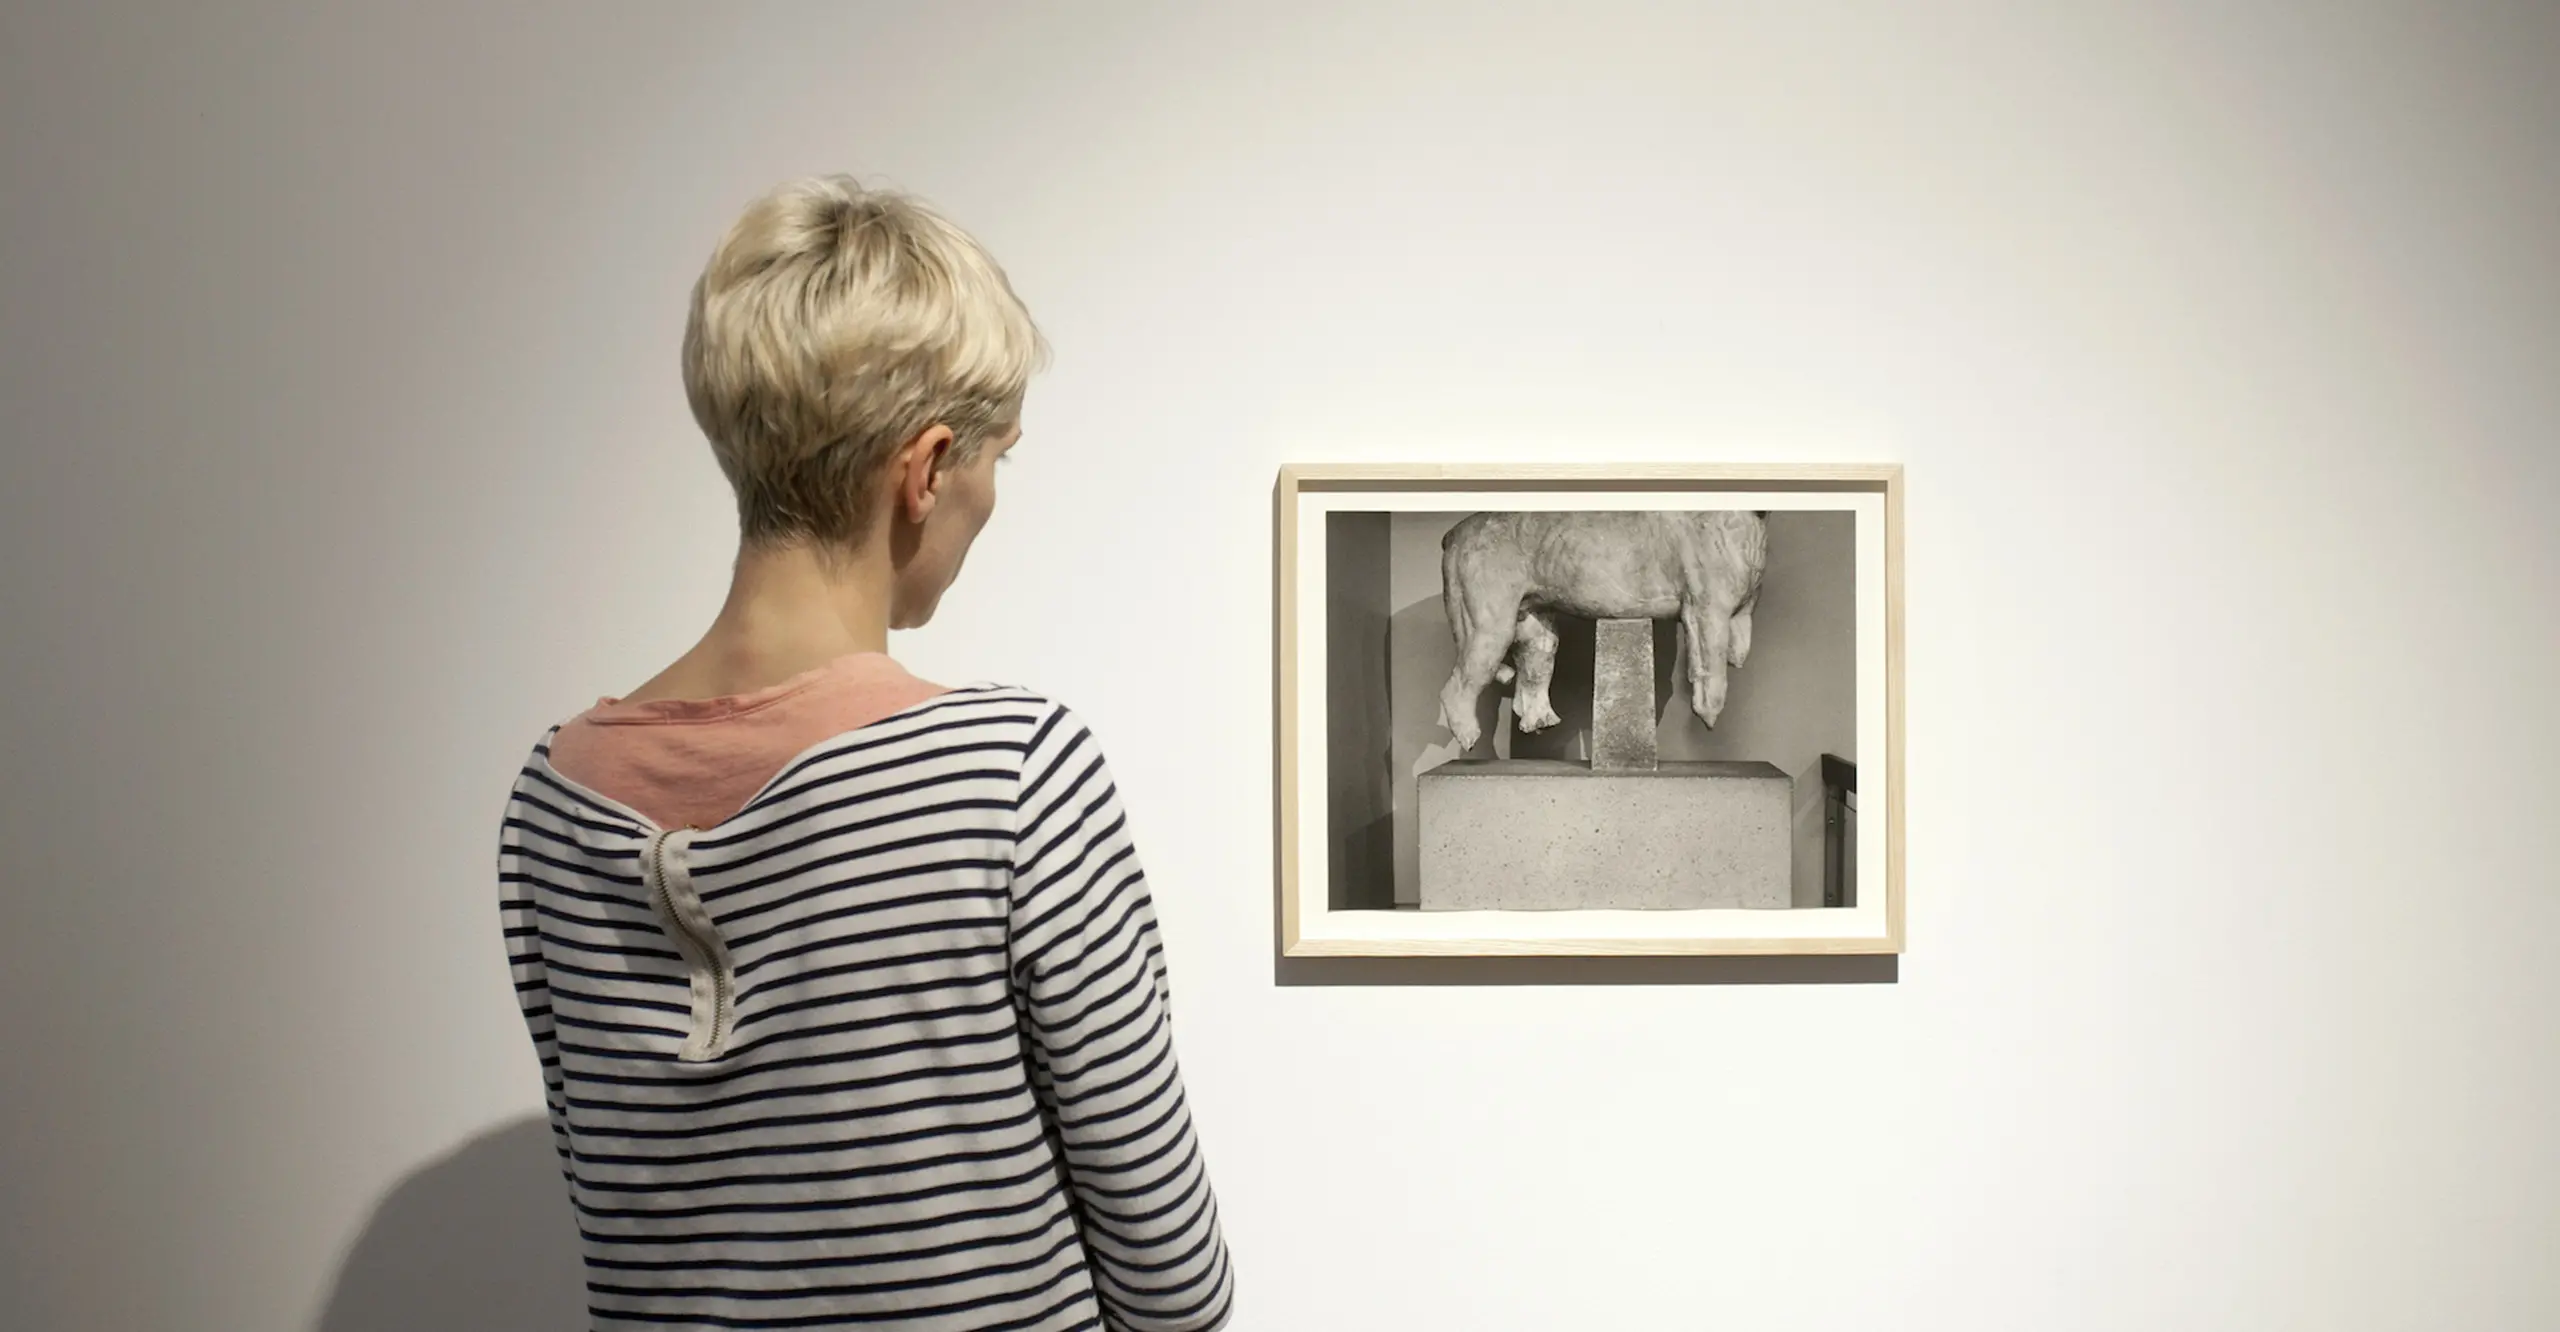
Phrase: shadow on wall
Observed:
(1360, 807)
(482, 1240)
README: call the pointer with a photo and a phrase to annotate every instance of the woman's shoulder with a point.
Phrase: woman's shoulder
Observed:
(1039, 713)
(995, 696)
(1056, 726)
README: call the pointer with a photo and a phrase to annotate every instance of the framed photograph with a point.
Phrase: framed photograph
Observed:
(1652, 709)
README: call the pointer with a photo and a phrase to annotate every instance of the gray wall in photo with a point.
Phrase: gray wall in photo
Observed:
(1360, 797)
(1418, 662)
(1796, 699)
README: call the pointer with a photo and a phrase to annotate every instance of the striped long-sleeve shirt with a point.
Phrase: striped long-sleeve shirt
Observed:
(889, 1048)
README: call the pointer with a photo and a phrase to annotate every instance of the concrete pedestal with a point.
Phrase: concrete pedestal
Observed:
(1551, 835)
(1622, 720)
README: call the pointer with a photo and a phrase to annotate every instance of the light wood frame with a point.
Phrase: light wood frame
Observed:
(1343, 937)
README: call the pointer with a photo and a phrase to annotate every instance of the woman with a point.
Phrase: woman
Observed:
(846, 986)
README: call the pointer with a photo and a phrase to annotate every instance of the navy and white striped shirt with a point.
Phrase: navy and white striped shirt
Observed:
(889, 1048)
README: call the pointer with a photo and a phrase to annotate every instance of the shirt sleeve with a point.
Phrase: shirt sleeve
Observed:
(523, 932)
(1090, 972)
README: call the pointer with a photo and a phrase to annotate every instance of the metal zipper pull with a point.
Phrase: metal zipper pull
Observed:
(713, 979)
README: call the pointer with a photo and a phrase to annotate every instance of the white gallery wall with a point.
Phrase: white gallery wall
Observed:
(345, 452)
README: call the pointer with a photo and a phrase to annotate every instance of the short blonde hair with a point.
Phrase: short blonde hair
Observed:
(831, 325)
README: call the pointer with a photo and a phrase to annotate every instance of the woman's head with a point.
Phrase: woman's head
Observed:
(858, 364)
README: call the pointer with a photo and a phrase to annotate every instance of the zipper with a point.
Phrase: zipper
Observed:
(714, 981)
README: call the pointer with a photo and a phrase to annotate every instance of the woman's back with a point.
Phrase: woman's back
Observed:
(890, 1045)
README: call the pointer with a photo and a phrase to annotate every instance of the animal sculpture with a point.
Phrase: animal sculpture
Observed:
(1503, 576)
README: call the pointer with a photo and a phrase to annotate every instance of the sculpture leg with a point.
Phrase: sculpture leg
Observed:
(1529, 703)
(1481, 653)
(1710, 634)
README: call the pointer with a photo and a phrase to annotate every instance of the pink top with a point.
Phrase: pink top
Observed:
(692, 762)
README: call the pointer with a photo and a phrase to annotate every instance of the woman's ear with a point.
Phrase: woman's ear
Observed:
(919, 471)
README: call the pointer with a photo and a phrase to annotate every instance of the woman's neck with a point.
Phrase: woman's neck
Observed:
(788, 612)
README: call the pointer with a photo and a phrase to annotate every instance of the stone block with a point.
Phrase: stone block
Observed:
(1622, 717)
(1554, 835)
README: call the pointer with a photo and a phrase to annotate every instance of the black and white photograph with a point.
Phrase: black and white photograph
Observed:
(1603, 706)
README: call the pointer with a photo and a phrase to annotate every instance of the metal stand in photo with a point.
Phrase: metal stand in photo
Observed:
(1625, 830)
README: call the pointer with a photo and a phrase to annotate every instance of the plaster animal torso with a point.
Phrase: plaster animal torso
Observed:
(1503, 574)
(1605, 565)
